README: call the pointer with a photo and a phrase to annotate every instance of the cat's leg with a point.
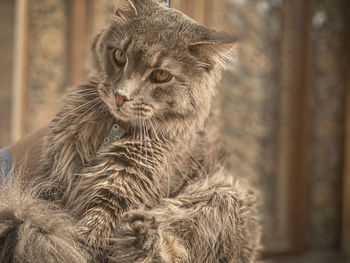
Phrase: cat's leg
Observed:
(211, 221)
(121, 180)
(104, 194)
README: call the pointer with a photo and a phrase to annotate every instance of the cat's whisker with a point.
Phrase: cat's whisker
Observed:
(87, 97)
(145, 138)
(97, 101)
(175, 162)
(87, 102)
(165, 158)
(134, 134)
(101, 108)
(141, 139)
(83, 91)
(184, 147)
(166, 163)
(78, 109)
(153, 152)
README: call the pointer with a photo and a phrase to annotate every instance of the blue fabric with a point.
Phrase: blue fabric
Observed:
(5, 164)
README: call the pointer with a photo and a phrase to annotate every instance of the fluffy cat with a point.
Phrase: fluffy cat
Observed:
(158, 193)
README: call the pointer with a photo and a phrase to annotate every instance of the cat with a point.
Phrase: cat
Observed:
(157, 191)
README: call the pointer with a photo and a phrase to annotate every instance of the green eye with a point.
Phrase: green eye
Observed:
(120, 57)
(161, 76)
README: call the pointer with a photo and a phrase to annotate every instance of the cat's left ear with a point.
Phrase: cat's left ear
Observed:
(215, 50)
(125, 10)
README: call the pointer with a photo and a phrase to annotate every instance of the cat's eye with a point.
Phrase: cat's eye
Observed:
(120, 57)
(161, 76)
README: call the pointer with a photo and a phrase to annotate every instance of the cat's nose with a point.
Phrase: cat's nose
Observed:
(120, 99)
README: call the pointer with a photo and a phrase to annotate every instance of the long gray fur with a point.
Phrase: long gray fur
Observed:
(159, 194)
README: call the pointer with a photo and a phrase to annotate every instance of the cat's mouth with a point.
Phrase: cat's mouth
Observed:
(131, 111)
(134, 111)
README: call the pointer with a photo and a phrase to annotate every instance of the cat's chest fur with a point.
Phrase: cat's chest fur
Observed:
(79, 130)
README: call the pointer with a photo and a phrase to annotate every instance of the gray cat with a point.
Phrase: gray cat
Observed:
(131, 170)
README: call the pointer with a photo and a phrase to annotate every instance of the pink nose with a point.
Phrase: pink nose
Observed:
(120, 100)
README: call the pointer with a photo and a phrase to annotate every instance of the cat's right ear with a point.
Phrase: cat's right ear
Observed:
(125, 10)
(214, 49)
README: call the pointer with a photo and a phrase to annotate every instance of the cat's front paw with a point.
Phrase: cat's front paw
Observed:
(137, 240)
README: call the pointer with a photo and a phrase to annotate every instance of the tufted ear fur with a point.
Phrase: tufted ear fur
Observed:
(214, 50)
(125, 10)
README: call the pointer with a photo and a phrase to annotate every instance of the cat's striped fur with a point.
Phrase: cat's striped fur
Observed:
(160, 194)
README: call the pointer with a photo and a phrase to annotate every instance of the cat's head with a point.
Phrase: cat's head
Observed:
(155, 63)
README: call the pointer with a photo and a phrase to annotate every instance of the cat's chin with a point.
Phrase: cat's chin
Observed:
(120, 115)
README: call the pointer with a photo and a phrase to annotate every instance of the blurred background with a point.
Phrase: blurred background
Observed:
(283, 104)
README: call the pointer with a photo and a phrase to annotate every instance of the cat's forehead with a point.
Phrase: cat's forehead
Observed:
(154, 43)
(153, 33)
(141, 46)
(165, 25)
(149, 46)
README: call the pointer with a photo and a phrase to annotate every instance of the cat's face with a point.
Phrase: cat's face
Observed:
(155, 63)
